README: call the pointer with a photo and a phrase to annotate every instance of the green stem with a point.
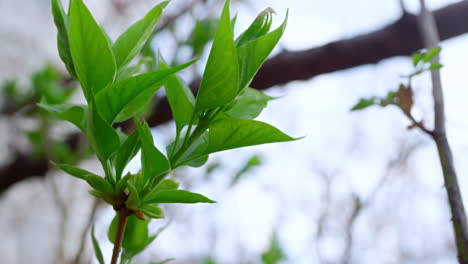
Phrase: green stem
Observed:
(123, 215)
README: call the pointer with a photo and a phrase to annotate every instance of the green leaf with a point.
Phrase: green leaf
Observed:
(431, 54)
(122, 183)
(203, 32)
(127, 72)
(127, 255)
(198, 162)
(130, 43)
(90, 49)
(259, 27)
(102, 137)
(61, 22)
(97, 249)
(99, 183)
(178, 196)
(364, 103)
(249, 105)
(74, 171)
(121, 100)
(220, 80)
(180, 97)
(135, 236)
(126, 152)
(134, 195)
(274, 254)
(75, 114)
(254, 53)
(165, 185)
(416, 58)
(47, 83)
(233, 133)
(154, 163)
(435, 66)
(152, 211)
(193, 156)
(253, 162)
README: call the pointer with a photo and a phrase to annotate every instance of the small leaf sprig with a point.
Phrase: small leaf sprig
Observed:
(219, 118)
(403, 97)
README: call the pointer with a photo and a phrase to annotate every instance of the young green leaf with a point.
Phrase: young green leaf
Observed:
(180, 97)
(259, 27)
(233, 133)
(135, 236)
(196, 163)
(102, 137)
(134, 194)
(153, 162)
(168, 184)
(220, 80)
(47, 83)
(152, 211)
(130, 43)
(435, 66)
(121, 100)
(122, 183)
(364, 103)
(90, 49)
(99, 183)
(126, 152)
(416, 58)
(431, 54)
(249, 105)
(274, 254)
(178, 196)
(73, 171)
(254, 53)
(61, 22)
(97, 249)
(165, 185)
(250, 164)
(193, 156)
(203, 32)
(127, 255)
(75, 114)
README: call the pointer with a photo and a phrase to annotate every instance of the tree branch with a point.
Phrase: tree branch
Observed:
(460, 226)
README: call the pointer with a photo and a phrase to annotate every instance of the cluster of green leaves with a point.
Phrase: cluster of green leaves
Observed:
(403, 97)
(219, 118)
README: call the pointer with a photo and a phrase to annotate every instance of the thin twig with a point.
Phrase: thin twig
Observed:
(84, 235)
(460, 227)
(360, 206)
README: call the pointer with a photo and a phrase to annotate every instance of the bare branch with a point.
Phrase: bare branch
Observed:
(431, 37)
(84, 235)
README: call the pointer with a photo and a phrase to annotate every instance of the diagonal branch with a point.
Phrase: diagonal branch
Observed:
(459, 221)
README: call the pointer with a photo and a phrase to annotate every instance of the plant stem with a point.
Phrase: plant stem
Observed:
(123, 215)
(459, 221)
